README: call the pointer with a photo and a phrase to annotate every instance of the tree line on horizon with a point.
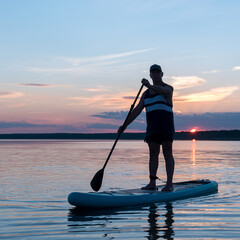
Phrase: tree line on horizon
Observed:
(183, 135)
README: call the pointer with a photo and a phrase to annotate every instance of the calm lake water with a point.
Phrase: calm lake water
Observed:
(37, 176)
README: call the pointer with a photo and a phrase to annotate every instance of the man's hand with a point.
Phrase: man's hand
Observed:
(121, 129)
(145, 82)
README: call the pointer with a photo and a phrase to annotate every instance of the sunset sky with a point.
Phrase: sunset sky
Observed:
(76, 66)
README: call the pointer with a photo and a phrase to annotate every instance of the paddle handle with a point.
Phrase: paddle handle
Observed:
(119, 133)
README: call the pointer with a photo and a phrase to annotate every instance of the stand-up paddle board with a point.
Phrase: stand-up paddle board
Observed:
(131, 197)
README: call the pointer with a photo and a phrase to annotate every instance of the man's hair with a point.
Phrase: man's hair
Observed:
(155, 67)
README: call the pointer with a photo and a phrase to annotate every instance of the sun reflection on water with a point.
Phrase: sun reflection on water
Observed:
(194, 152)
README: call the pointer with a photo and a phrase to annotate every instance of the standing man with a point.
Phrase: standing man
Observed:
(157, 100)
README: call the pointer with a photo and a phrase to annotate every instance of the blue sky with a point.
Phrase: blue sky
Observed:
(64, 62)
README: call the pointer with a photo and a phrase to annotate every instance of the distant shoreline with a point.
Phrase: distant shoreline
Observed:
(224, 135)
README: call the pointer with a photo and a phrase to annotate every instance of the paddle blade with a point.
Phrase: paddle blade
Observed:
(96, 182)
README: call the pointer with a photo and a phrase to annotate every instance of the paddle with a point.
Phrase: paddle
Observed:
(96, 182)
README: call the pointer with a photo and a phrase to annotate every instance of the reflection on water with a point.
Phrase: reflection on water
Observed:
(37, 176)
(193, 152)
(160, 221)
(156, 230)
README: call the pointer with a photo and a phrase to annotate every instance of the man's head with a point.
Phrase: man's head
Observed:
(156, 72)
(155, 67)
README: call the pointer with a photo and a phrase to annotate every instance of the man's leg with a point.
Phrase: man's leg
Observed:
(154, 150)
(169, 162)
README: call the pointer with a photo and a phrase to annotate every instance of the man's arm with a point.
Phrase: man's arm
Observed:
(134, 114)
(164, 90)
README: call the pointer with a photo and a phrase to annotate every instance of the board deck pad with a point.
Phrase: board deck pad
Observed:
(176, 186)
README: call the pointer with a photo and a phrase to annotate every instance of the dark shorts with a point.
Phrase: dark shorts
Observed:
(158, 139)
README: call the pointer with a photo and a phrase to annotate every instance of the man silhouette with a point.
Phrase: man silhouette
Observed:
(157, 100)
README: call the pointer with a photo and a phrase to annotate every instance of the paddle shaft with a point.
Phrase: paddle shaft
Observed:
(119, 133)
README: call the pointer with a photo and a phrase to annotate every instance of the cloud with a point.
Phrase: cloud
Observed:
(41, 85)
(84, 65)
(26, 127)
(236, 68)
(204, 121)
(211, 71)
(6, 95)
(109, 100)
(214, 94)
(208, 121)
(119, 117)
(103, 126)
(78, 61)
(95, 89)
(51, 70)
(94, 101)
(129, 97)
(68, 70)
(182, 82)
(112, 115)
(23, 125)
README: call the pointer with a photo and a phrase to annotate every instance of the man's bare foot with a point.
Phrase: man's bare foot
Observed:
(150, 186)
(167, 188)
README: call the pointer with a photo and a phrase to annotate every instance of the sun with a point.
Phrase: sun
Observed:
(193, 130)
